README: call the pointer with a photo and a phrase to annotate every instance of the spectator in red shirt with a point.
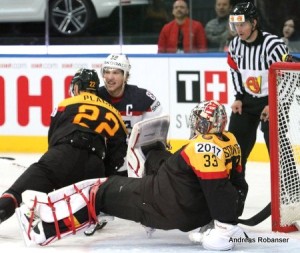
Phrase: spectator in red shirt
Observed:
(182, 35)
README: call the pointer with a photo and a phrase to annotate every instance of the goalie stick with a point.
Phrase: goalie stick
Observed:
(257, 218)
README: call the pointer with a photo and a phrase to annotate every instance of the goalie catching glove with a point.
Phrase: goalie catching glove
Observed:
(218, 237)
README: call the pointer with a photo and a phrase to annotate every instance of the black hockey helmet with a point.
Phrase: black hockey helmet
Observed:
(86, 79)
(242, 12)
(247, 9)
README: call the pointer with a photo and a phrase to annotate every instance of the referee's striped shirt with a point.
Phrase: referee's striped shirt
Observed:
(249, 63)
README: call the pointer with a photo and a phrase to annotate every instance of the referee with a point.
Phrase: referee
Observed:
(250, 56)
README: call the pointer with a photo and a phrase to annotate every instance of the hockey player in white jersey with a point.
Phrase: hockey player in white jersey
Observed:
(134, 103)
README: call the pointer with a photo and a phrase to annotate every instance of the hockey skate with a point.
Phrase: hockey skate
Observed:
(103, 219)
(31, 226)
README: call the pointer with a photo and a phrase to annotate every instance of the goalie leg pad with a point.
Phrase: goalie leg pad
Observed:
(31, 229)
(135, 162)
(55, 206)
(145, 133)
(65, 200)
(35, 231)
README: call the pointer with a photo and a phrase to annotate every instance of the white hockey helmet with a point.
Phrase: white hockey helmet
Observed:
(117, 61)
(208, 117)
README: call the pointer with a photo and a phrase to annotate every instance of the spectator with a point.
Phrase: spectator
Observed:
(250, 55)
(290, 34)
(217, 29)
(230, 37)
(84, 130)
(156, 17)
(182, 35)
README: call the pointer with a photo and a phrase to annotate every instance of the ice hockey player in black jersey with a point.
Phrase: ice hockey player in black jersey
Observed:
(84, 130)
(185, 190)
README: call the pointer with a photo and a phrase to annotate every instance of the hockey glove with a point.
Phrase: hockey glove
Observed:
(197, 237)
(221, 237)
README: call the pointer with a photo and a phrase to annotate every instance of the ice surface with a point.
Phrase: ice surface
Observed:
(127, 236)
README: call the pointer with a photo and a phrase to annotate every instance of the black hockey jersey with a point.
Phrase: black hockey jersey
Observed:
(88, 113)
(92, 115)
(193, 186)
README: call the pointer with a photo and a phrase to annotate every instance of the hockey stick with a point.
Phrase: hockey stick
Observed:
(257, 218)
(290, 58)
(295, 58)
(7, 158)
(13, 163)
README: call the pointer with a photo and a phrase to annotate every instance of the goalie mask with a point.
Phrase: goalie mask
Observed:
(208, 117)
(243, 12)
(87, 80)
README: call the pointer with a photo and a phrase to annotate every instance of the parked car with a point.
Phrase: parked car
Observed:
(68, 18)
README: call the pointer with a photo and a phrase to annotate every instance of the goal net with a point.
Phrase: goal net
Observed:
(284, 106)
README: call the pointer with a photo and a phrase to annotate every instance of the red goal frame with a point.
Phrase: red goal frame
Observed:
(274, 151)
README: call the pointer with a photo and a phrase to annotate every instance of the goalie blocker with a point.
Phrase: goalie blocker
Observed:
(179, 194)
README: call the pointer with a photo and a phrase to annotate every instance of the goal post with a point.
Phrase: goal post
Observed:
(284, 107)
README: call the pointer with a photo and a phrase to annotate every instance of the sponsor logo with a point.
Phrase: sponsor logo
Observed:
(155, 106)
(150, 95)
(188, 86)
(237, 18)
(216, 86)
(254, 84)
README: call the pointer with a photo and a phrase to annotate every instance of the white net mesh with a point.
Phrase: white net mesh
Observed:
(288, 102)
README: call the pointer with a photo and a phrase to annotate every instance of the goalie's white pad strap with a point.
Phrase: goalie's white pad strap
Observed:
(144, 133)
(65, 200)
